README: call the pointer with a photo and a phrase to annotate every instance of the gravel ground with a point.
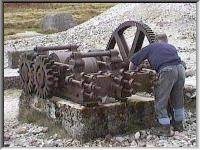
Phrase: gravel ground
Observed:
(18, 134)
(176, 19)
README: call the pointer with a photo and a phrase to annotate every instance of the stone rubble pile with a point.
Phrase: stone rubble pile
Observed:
(176, 19)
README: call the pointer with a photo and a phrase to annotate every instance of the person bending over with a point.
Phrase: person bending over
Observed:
(163, 57)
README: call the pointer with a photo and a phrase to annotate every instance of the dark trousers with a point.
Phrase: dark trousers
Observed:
(170, 85)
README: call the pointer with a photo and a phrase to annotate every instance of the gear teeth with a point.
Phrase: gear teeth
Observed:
(26, 61)
(50, 76)
(148, 32)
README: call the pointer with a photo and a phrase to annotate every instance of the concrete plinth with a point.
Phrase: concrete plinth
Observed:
(13, 58)
(85, 123)
(12, 82)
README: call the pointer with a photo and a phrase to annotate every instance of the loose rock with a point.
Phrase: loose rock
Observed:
(133, 144)
(137, 135)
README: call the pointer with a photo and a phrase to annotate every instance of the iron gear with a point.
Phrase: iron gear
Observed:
(46, 76)
(26, 72)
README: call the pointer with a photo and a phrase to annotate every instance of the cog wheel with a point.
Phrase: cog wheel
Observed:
(26, 72)
(46, 76)
(118, 38)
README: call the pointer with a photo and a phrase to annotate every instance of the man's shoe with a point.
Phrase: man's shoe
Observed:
(177, 126)
(163, 130)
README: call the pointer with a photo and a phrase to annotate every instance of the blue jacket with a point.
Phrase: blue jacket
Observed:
(159, 55)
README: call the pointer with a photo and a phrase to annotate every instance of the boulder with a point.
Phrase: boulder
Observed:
(57, 22)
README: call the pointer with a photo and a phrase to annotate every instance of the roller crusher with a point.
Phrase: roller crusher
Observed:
(92, 78)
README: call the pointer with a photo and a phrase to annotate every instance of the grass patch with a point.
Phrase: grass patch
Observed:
(21, 17)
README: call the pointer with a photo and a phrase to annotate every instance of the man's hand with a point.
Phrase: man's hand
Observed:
(133, 67)
(184, 64)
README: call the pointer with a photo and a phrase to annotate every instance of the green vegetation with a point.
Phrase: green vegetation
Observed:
(20, 17)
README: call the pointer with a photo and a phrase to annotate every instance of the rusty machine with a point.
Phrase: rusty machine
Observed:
(91, 78)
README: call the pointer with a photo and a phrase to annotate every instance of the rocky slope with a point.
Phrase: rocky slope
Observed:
(177, 20)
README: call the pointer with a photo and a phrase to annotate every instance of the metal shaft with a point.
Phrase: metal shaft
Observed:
(94, 54)
(49, 48)
(61, 64)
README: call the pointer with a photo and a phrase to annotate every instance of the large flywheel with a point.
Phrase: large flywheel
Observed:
(119, 39)
(46, 76)
(26, 70)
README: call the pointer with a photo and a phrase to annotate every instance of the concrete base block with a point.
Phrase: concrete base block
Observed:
(12, 82)
(85, 123)
(13, 58)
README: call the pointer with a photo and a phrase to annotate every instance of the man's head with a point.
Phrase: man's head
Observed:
(162, 38)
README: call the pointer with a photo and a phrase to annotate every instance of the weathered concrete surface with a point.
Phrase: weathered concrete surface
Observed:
(13, 58)
(85, 123)
(12, 82)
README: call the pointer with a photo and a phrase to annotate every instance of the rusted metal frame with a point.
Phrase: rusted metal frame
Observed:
(124, 82)
(111, 43)
(142, 30)
(102, 62)
(90, 96)
(89, 91)
(137, 42)
(61, 56)
(88, 77)
(90, 86)
(55, 48)
(123, 41)
(62, 64)
(76, 55)
(122, 45)
(118, 38)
